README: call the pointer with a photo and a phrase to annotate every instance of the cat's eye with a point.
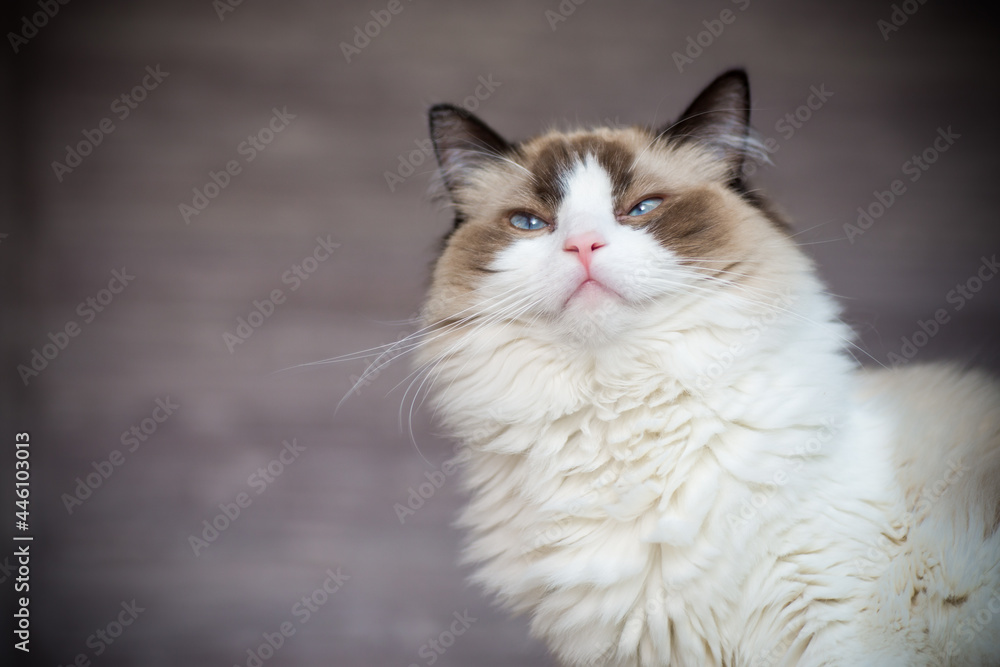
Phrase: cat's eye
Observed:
(527, 221)
(645, 206)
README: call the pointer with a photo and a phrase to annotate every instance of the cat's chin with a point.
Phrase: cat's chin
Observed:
(593, 313)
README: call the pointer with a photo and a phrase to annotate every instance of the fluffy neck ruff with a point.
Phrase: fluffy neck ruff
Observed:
(663, 497)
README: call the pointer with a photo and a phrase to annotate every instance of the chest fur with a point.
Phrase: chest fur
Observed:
(646, 526)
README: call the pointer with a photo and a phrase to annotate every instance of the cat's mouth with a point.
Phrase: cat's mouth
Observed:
(590, 291)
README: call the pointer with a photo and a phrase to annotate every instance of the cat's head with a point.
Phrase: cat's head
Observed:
(583, 234)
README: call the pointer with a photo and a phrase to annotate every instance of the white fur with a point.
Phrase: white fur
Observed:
(692, 475)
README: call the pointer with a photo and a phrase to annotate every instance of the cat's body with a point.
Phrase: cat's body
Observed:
(671, 458)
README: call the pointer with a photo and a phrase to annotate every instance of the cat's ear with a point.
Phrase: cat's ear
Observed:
(719, 118)
(462, 142)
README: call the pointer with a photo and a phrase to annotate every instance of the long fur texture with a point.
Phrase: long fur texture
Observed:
(680, 463)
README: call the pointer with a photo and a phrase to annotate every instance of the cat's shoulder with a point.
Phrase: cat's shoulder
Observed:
(946, 443)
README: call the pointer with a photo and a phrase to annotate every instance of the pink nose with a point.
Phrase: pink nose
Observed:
(584, 245)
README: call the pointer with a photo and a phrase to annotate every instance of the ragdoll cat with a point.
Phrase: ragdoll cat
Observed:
(672, 457)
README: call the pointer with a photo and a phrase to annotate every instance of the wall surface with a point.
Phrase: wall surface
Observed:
(254, 136)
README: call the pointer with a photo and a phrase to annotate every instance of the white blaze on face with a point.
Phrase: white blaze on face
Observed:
(585, 223)
(587, 204)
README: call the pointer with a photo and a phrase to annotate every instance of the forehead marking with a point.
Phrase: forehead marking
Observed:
(588, 203)
(561, 156)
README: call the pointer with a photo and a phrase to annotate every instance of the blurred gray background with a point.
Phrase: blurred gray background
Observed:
(324, 175)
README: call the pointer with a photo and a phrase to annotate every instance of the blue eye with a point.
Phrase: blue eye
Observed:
(527, 221)
(646, 205)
